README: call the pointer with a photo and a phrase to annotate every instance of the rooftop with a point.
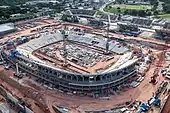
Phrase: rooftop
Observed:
(6, 27)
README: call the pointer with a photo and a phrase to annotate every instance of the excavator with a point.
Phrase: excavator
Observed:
(155, 75)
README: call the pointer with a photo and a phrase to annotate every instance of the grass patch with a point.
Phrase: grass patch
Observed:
(135, 7)
(114, 8)
(99, 12)
(164, 16)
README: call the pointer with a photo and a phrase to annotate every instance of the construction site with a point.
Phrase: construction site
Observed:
(49, 66)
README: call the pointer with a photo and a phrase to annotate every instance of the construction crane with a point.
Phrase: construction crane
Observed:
(65, 38)
(17, 73)
(107, 36)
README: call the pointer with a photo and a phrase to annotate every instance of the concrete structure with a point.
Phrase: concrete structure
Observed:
(163, 33)
(7, 28)
(4, 108)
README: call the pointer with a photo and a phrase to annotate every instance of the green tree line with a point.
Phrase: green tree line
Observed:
(13, 2)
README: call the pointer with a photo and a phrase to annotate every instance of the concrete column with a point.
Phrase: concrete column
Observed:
(95, 78)
(76, 78)
(83, 78)
(66, 77)
(71, 77)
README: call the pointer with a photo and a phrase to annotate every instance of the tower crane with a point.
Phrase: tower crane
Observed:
(107, 35)
(65, 39)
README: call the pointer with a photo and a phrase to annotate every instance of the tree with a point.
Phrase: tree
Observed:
(126, 12)
(1, 13)
(110, 7)
(133, 12)
(13, 2)
(141, 13)
(155, 12)
(154, 2)
(120, 1)
(149, 13)
(75, 19)
(166, 8)
(15, 9)
(118, 10)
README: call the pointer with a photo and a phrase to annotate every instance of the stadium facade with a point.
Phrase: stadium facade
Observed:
(74, 82)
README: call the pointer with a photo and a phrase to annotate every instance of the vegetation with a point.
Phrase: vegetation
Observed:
(13, 2)
(132, 7)
(26, 11)
(166, 7)
(18, 18)
(135, 10)
(6, 12)
(69, 18)
(140, 10)
(166, 10)
(163, 16)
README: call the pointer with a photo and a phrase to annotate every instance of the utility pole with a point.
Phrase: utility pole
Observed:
(65, 39)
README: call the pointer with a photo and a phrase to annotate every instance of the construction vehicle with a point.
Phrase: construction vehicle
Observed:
(155, 75)
(17, 73)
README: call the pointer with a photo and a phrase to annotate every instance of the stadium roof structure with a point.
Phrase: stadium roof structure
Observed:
(81, 12)
(142, 22)
(165, 32)
(159, 22)
(124, 26)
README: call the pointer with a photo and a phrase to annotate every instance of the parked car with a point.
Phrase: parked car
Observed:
(140, 79)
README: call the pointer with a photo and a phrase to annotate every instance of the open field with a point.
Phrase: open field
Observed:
(164, 16)
(136, 7)
(114, 8)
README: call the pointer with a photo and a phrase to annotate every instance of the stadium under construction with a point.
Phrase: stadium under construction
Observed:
(99, 58)
(77, 63)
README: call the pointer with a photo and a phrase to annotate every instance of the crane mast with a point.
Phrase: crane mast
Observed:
(65, 39)
(107, 35)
